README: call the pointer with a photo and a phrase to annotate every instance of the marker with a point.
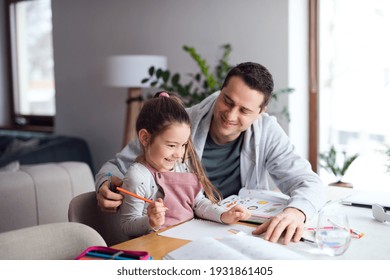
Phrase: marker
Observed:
(353, 232)
(306, 240)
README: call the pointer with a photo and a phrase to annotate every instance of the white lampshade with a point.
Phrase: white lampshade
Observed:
(129, 70)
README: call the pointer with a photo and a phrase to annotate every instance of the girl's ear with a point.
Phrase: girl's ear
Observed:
(144, 136)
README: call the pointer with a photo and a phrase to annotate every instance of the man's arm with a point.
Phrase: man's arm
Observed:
(293, 176)
(109, 201)
(291, 173)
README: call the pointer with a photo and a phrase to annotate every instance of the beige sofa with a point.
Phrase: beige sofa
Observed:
(54, 241)
(40, 193)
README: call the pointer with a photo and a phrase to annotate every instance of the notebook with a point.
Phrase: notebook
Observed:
(234, 247)
(368, 198)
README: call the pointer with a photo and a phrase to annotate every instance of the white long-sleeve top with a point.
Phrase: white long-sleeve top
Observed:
(138, 179)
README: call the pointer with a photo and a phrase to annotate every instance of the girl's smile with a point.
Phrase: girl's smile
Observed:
(167, 147)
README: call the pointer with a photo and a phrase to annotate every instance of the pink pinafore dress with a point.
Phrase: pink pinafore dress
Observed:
(180, 190)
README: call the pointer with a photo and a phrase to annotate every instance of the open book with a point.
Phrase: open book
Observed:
(263, 205)
(236, 247)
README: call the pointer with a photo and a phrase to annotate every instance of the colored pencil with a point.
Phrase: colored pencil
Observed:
(134, 195)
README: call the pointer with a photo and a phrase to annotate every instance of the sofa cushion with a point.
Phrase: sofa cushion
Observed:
(40, 193)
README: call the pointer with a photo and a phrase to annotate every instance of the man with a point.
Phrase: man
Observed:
(239, 144)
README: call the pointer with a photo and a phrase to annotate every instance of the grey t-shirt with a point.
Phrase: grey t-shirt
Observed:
(222, 164)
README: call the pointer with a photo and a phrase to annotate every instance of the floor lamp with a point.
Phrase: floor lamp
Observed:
(127, 71)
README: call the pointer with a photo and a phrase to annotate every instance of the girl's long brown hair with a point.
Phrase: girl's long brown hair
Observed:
(156, 115)
(210, 190)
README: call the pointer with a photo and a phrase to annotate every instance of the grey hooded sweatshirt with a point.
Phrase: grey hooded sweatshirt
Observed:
(266, 150)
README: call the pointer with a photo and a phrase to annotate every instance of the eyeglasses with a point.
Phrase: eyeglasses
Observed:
(380, 214)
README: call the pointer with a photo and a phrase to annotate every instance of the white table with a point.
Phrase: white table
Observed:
(374, 245)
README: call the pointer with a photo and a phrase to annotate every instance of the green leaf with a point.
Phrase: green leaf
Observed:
(145, 80)
(329, 162)
(159, 73)
(286, 113)
(188, 87)
(205, 85)
(175, 79)
(165, 75)
(151, 71)
(202, 65)
(347, 162)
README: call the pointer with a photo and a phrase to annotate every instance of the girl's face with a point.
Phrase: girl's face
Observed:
(167, 147)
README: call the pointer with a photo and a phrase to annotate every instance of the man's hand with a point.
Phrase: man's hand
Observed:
(290, 222)
(109, 201)
(235, 214)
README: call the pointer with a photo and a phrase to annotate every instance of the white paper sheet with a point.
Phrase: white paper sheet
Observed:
(197, 228)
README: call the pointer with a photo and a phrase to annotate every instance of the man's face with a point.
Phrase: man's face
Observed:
(236, 108)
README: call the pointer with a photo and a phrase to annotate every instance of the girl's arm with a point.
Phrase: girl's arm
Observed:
(205, 209)
(134, 218)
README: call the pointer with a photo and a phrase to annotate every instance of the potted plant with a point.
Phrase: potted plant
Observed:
(330, 162)
(202, 83)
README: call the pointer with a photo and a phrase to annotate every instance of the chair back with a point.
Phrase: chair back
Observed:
(84, 209)
(54, 241)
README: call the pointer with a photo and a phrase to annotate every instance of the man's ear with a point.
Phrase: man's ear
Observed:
(144, 136)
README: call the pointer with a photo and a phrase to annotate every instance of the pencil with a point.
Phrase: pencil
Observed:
(134, 195)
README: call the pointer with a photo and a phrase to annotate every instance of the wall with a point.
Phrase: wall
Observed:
(87, 31)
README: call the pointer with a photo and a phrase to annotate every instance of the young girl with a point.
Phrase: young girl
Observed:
(169, 173)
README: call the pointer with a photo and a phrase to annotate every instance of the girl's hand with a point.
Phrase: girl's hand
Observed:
(156, 214)
(235, 214)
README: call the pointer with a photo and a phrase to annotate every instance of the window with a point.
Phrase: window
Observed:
(354, 87)
(32, 65)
